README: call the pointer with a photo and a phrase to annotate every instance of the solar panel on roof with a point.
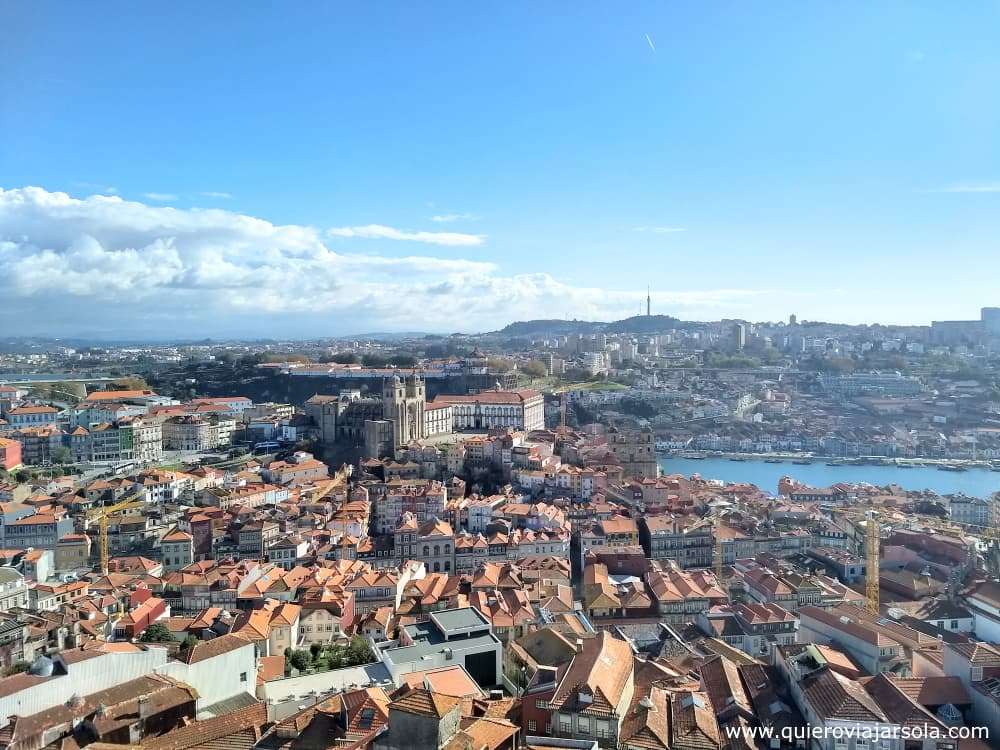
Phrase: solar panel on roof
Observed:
(366, 718)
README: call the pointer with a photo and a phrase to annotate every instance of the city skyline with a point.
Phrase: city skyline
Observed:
(138, 272)
(333, 171)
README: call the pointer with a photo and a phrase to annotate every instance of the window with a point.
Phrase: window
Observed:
(541, 704)
(243, 676)
(954, 624)
(583, 724)
(531, 725)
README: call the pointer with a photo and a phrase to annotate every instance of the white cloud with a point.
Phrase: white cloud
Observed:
(70, 265)
(449, 218)
(659, 230)
(160, 197)
(216, 194)
(379, 232)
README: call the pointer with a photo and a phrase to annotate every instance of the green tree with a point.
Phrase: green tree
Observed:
(534, 369)
(374, 360)
(359, 652)
(298, 658)
(403, 360)
(637, 408)
(500, 364)
(16, 668)
(345, 358)
(130, 383)
(189, 643)
(61, 455)
(156, 633)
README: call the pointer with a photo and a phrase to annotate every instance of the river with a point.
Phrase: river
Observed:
(975, 482)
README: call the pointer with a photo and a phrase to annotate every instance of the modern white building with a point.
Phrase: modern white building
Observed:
(451, 636)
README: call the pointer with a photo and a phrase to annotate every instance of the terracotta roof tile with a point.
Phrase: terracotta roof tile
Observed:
(210, 649)
(423, 702)
(252, 718)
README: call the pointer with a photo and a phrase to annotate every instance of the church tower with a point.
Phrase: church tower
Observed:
(403, 404)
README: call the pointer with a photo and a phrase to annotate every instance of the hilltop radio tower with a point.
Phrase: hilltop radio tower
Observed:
(649, 305)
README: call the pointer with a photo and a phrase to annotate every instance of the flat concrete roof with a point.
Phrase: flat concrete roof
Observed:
(335, 680)
(459, 619)
(432, 646)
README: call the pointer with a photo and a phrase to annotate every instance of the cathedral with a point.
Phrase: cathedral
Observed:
(403, 404)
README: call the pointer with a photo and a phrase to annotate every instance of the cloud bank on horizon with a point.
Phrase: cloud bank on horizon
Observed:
(105, 264)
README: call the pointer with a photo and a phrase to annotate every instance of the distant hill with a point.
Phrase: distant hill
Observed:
(550, 327)
(645, 324)
(636, 324)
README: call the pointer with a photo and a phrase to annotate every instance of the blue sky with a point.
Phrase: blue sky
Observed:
(747, 159)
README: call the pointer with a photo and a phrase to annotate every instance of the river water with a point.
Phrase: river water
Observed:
(975, 482)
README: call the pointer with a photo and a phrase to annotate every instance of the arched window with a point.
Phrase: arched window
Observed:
(437, 550)
(447, 566)
(437, 567)
(427, 550)
(447, 549)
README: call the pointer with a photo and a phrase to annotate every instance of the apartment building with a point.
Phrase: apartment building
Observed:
(592, 699)
(10, 454)
(685, 539)
(36, 415)
(41, 530)
(177, 547)
(190, 433)
(617, 532)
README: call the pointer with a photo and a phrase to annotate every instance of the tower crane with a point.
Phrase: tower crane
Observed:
(871, 563)
(871, 553)
(101, 515)
(990, 536)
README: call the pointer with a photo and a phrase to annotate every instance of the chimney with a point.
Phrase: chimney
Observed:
(578, 646)
(143, 706)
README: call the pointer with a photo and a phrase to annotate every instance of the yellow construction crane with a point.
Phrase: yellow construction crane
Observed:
(990, 535)
(102, 515)
(871, 552)
(871, 563)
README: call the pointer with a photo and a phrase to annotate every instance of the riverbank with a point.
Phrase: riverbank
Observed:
(974, 481)
(806, 459)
